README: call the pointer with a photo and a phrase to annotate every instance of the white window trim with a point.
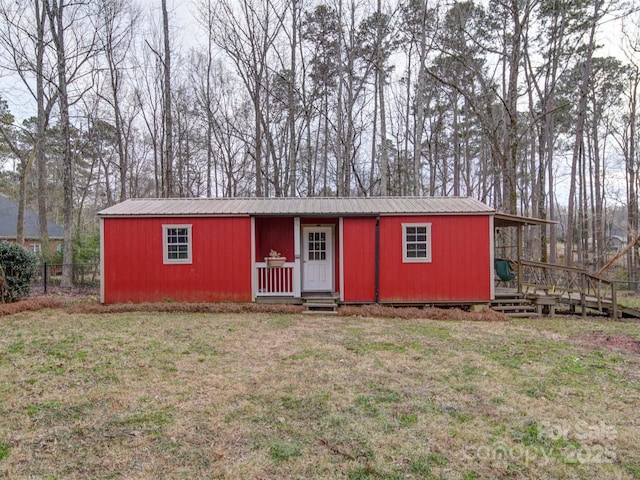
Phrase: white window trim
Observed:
(406, 259)
(165, 247)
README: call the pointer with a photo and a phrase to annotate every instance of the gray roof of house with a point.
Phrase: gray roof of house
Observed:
(9, 222)
(294, 206)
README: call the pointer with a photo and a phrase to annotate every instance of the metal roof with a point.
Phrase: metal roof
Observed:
(294, 206)
(9, 221)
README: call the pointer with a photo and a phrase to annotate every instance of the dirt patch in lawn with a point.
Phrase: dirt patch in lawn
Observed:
(614, 342)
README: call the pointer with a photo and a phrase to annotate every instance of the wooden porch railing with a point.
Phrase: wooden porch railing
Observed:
(274, 281)
(574, 286)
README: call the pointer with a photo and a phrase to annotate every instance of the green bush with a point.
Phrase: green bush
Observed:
(17, 269)
(86, 248)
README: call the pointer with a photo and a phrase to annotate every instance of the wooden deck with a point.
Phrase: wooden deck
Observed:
(547, 285)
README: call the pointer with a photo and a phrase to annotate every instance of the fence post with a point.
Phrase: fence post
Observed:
(44, 277)
(583, 299)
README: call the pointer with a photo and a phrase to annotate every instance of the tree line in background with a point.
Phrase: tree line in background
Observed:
(501, 100)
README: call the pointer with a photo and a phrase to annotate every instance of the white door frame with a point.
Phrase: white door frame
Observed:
(328, 262)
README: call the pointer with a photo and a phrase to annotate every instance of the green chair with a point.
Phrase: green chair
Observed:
(504, 269)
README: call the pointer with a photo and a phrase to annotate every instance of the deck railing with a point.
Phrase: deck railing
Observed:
(274, 281)
(574, 285)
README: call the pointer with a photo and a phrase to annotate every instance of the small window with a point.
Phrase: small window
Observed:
(416, 242)
(317, 246)
(36, 248)
(176, 240)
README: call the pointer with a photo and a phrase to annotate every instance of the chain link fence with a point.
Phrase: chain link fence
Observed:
(85, 278)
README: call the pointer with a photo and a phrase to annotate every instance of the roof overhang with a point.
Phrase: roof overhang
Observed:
(510, 220)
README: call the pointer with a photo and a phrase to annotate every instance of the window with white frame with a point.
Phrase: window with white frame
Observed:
(416, 242)
(36, 248)
(176, 243)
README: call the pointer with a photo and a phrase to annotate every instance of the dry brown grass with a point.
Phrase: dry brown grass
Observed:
(30, 305)
(179, 307)
(87, 304)
(146, 395)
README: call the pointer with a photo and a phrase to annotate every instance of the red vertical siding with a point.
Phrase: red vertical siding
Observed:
(134, 270)
(274, 233)
(359, 259)
(460, 269)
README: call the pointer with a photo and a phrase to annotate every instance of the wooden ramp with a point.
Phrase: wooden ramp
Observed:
(573, 287)
(603, 305)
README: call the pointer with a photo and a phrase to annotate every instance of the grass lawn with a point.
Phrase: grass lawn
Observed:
(268, 396)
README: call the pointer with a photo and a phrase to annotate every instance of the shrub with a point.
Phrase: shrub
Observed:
(17, 269)
(86, 248)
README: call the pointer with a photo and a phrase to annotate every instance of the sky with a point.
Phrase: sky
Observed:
(187, 34)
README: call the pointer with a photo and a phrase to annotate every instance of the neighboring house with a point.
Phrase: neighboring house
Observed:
(616, 240)
(416, 250)
(9, 223)
(615, 243)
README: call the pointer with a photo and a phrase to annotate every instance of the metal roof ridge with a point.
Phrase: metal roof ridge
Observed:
(380, 197)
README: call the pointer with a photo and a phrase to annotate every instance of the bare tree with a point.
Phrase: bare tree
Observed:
(247, 35)
(630, 148)
(168, 114)
(117, 22)
(26, 54)
(578, 145)
(71, 57)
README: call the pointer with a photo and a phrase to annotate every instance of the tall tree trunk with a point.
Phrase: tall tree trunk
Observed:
(293, 147)
(419, 101)
(598, 210)
(455, 134)
(168, 114)
(209, 98)
(384, 151)
(511, 150)
(374, 140)
(578, 145)
(41, 159)
(55, 12)
(25, 167)
(341, 139)
(633, 257)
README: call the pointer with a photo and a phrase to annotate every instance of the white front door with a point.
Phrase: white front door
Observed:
(317, 259)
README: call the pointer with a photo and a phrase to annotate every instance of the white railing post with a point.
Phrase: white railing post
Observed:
(274, 281)
(297, 265)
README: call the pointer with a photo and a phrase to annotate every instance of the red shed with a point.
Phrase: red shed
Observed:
(422, 250)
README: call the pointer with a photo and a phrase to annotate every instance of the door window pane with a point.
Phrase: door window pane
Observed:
(317, 246)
